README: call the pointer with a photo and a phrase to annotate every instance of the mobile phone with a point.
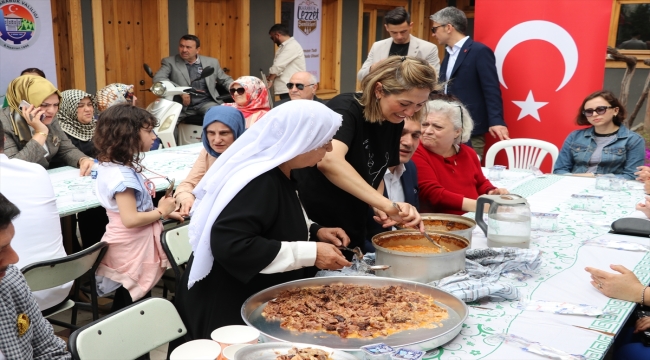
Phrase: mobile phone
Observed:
(25, 104)
(170, 189)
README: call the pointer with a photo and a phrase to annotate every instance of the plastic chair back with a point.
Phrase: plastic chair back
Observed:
(176, 243)
(128, 333)
(523, 153)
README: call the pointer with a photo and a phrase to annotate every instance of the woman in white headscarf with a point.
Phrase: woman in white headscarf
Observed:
(248, 229)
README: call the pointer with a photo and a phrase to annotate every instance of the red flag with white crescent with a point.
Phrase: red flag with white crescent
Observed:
(550, 54)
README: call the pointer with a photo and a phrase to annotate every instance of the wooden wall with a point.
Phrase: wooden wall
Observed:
(223, 26)
(68, 44)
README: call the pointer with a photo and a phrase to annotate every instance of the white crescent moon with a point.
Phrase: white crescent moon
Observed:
(539, 30)
(11, 11)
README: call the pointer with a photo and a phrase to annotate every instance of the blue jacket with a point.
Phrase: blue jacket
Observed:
(409, 182)
(475, 82)
(620, 157)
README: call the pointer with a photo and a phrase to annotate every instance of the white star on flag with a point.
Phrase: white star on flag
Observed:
(529, 107)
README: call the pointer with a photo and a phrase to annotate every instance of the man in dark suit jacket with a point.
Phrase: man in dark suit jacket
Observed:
(187, 65)
(401, 181)
(469, 67)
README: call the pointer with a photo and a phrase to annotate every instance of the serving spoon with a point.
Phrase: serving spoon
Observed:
(440, 247)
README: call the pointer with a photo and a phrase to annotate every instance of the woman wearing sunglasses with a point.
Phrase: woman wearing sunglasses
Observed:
(605, 147)
(251, 98)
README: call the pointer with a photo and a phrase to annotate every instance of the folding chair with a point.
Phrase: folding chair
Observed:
(176, 243)
(128, 333)
(47, 274)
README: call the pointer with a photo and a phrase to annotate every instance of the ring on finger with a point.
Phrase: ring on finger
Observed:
(600, 285)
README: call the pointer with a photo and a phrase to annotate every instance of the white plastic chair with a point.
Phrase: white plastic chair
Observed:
(176, 243)
(128, 333)
(522, 153)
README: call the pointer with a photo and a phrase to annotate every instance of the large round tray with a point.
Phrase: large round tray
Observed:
(421, 339)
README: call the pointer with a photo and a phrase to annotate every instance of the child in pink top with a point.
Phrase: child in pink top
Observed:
(135, 260)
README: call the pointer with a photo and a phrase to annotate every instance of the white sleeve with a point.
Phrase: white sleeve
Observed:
(292, 255)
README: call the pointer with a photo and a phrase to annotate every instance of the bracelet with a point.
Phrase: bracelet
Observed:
(643, 295)
(162, 217)
(40, 132)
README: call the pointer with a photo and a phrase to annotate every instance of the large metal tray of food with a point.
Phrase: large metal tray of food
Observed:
(270, 351)
(421, 339)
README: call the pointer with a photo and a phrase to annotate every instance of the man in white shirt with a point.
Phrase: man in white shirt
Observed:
(289, 59)
(398, 24)
(38, 228)
(401, 181)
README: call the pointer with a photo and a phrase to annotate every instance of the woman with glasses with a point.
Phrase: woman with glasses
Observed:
(339, 190)
(251, 98)
(605, 147)
(222, 125)
(449, 172)
(32, 130)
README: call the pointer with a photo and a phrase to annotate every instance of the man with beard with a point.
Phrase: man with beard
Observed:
(289, 59)
(401, 181)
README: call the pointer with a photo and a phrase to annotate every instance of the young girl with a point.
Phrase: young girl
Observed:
(135, 260)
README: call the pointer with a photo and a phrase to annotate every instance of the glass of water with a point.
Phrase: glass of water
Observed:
(496, 172)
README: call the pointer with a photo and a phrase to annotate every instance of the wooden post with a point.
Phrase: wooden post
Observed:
(630, 61)
(639, 103)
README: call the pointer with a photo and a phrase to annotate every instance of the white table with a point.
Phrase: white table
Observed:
(560, 278)
(173, 162)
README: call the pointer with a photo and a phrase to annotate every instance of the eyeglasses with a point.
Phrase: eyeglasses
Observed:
(299, 86)
(239, 91)
(599, 110)
(151, 187)
(433, 29)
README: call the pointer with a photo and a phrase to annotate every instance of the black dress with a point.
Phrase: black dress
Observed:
(372, 148)
(245, 239)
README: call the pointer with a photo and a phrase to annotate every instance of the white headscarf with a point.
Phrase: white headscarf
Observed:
(296, 127)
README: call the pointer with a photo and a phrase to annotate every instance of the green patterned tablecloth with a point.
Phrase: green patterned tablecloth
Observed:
(173, 162)
(560, 278)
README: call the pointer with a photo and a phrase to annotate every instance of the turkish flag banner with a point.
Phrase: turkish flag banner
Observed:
(550, 54)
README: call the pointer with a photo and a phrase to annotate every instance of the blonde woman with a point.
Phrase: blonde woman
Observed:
(338, 191)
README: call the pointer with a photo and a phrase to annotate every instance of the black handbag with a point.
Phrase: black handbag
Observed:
(631, 226)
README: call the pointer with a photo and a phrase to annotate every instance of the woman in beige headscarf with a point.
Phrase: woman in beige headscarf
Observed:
(33, 133)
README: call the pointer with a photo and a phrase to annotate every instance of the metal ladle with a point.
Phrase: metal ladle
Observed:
(442, 248)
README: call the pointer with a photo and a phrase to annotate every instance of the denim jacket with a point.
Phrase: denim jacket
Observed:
(620, 157)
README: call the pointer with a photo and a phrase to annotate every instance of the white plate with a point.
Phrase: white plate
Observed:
(270, 351)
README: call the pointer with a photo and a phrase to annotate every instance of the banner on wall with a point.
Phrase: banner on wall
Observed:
(548, 60)
(307, 26)
(26, 40)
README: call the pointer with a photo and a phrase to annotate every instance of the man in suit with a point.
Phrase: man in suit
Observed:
(187, 65)
(24, 333)
(401, 181)
(398, 24)
(469, 69)
(302, 85)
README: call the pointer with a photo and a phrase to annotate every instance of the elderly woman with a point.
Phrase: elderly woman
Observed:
(248, 230)
(338, 191)
(605, 147)
(115, 93)
(77, 118)
(32, 133)
(251, 98)
(449, 173)
(222, 125)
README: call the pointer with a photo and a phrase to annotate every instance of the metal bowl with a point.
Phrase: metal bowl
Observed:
(453, 224)
(421, 339)
(420, 267)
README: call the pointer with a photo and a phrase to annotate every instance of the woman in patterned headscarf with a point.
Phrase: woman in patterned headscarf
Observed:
(77, 118)
(251, 98)
(115, 94)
